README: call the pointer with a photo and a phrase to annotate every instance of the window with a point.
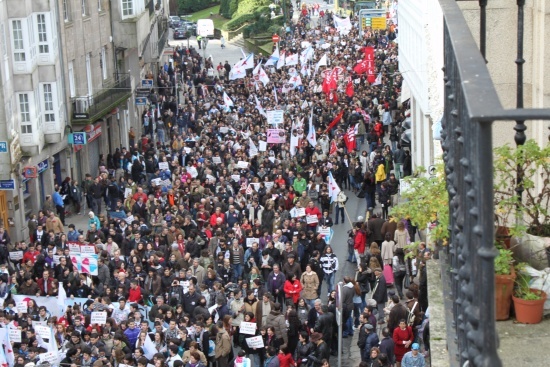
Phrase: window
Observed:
(99, 5)
(84, 7)
(66, 11)
(43, 47)
(4, 45)
(89, 74)
(127, 8)
(71, 79)
(104, 61)
(18, 45)
(25, 114)
(49, 112)
(38, 107)
(32, 42)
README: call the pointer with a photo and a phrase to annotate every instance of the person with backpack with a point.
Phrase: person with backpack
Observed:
(399, 270)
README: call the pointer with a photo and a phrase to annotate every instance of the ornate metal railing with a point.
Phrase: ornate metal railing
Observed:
(471, 107)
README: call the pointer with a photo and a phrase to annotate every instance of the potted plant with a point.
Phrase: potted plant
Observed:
(528, 217)
(528, 302)
(505, 276)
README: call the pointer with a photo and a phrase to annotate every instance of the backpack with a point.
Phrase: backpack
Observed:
(411, 317)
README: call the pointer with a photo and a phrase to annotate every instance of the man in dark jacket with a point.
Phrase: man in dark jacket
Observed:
(190, 299)
(398, 312)
(324, 323)
(371, 341)
(380, 294)
(348, 291)
(387, 345)
(275, 284)
(322, 350)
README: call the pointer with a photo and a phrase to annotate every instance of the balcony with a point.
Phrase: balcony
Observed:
(88, 109)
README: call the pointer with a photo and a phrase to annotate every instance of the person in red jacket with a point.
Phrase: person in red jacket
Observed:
(403, 337)
(31, 254)
(360, 240)
(293, 288)
(134, 295)
(285, 357)
(214, 217)
(312, 210)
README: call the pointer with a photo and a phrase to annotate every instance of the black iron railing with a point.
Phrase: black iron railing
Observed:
(471, 107)
(88, 107)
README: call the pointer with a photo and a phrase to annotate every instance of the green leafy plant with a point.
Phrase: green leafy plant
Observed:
(531, 214)
(522, 288)
(426, 203)
(504, 260)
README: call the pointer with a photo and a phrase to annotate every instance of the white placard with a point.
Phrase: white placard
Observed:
(300, 212)
(163, 165)
(268, 184)
(87, 249)
(129, 219)
(21, 307)
(50, 357)
(247, 328)
(211, 178)
(15, 335)
(187, 150)
(42, 331)
(56, 259)
(236, 178)
(156, 181)
(192, 171)
(311, 219)
(262, 146)
(251, 240)
(275, 117)
(216, 160)
(242, 164)
(127, 193)
(256, 185)
(255, 342)
(16, 255)
(224, 129)
(74, 248)
(98, 318)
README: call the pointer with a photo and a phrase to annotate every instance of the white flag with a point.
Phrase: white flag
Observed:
(333, 189)
(281, 61)
(311, 136)
(263, 77)
(304, 70)
(275, 94)
(252, 148)
(378, 80)
(226, 100)
(304, 105)
(61, 296)
(259, 107)
(291, 60)
(256, 69)
(295, 81)
(246, 63)
(274, 58)
(149, 348)
(306, 55)
(237, 73)
(242, 51)
(322, 62)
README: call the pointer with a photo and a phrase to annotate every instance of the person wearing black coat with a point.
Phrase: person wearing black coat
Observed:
(380, 293)
(303, 349)
(324, 324)
(387, 345)
(322, 350)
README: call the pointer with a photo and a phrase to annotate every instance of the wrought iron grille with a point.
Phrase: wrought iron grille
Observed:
(471, 107)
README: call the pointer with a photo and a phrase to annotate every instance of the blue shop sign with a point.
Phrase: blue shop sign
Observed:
(7, 184)
(42, 166)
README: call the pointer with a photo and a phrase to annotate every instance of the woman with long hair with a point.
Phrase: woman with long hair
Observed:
(292, 288)
(294, 328)
(399, 270)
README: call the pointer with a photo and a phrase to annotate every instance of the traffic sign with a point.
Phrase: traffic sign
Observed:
(79, 138)
(275, 38)
(7, 184)
(30, 172)
(378, 23)
(3, 146)
(141, 101)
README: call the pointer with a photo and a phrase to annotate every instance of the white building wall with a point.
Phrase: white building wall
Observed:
(420, 62)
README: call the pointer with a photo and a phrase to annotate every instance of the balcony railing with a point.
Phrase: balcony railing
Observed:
(87, 109)
(471, 106)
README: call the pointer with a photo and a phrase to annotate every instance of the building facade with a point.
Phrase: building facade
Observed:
(33, 115)
(421, 62)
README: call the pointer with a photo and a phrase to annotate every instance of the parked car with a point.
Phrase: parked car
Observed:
(174, 20)
(191, 26)
(180, 33)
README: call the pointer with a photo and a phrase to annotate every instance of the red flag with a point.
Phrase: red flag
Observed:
(333, 147)
(349, 139)
(361, 67)
(370, 64)
(335, 121)
(332, 97)
(331, 81)
(349, 88)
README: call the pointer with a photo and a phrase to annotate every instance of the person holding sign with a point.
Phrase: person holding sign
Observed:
(312, 213)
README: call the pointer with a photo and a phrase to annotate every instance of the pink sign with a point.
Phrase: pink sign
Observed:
(276, 136)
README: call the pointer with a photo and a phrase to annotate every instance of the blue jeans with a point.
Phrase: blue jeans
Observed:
(370, 200)
(352, 182)
(356, 312)
(348, 324)
(394, 145)
(339, 210)
(372, 146)
(351, 254)
(329, 278)
(237, 272)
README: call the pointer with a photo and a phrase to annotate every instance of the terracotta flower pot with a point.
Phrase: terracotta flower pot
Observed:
(529, 312)
(504, 287)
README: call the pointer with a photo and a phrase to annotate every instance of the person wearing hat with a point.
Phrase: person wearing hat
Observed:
(380, 293)
(322, 350)
(413, 358)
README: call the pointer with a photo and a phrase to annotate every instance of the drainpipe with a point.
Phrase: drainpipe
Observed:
(63, 80)
(111, 38)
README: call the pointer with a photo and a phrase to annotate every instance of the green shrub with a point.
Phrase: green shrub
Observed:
(249, 6)
(238, 22)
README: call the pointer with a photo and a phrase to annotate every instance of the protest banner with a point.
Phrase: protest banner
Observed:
(251, 240)
(247, 328)
(255, 342)
(16, 255)
(21, 307)
(275, 117)
(276, 136)
(99, 318)
(326, 233)
(163, 165)
(311, 219)
(15, 335)
(42, 331)
(216, 160)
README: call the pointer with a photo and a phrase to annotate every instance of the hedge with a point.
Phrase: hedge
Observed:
(238, 22)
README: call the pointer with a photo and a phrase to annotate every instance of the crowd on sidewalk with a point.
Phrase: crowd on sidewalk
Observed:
(212, 230)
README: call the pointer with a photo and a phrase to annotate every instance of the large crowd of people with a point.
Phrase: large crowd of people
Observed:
(211, 235)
